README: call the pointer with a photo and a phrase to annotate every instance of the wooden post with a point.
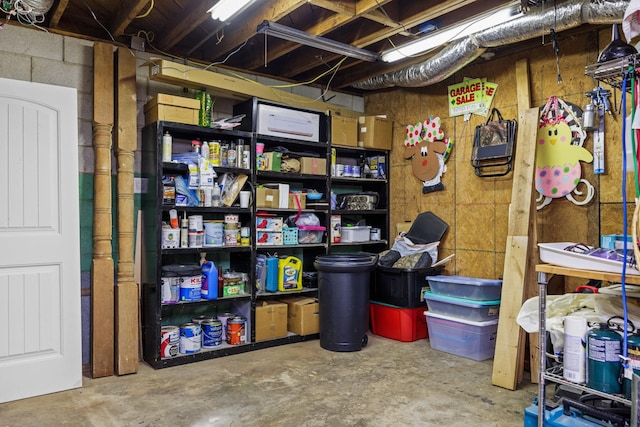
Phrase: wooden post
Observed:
(505, 362)
(127, 301)
(102, 270)
(523, 92)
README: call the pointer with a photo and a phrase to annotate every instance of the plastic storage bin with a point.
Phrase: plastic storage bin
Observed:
(466, 287)
(355, 234)
(473, 340)
(397, 323)
(464, 309)
(310, 234)
(402, 287)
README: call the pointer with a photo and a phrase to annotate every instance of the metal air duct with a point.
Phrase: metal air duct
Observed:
(537, 22)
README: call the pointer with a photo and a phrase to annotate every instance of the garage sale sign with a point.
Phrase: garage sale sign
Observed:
(471, 96)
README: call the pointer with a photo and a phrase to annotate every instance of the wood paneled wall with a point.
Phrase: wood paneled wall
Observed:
(476, 209)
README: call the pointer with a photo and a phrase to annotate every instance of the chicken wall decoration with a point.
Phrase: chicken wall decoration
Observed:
(559, 153)
(428, 150)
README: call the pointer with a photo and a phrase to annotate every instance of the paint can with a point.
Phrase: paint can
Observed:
(374, 234)
(199, 320)
(231, 218)
(196, 239)
(169, 342)
(236, 330)
(195, 223)
(211, 333)
(170, 293)
(231, 237)
(348, 171)
(170, 238)
(213, 233)
(191, 285)
(190, 338)
(223, 318)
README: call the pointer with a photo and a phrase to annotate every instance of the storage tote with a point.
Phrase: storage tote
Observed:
(466, 287)
(473, 340)
(463, 309)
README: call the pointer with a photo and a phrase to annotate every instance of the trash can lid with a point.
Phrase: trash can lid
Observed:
(341, 261)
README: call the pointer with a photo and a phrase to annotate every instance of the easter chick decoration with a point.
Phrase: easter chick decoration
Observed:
(558, 155)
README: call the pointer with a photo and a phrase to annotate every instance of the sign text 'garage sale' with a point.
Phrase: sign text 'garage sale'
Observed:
(470, 96)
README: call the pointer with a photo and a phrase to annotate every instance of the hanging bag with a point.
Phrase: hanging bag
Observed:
(493, 144)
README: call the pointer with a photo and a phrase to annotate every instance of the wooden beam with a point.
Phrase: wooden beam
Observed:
(196, 78)
(127, 303)
(184, 24)
(57, 13)
(102, 269)
(124, 15)
(270, 11)
(523, 93)
(505, 362)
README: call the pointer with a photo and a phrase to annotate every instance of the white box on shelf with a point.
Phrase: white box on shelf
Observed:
(355, 234)
(288, 123)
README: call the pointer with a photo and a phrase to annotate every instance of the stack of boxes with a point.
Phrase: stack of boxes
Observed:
(463, 315)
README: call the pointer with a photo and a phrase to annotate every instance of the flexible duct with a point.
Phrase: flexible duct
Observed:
(535, 23)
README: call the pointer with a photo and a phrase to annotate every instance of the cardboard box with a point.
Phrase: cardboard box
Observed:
(265, 223)
(272, 161)
(267, 197)
(313, 165)
(302, 198)
(172, 109)
(303, 316)
(273, 238)
(375, 132)
(271, 320)
(344, 131)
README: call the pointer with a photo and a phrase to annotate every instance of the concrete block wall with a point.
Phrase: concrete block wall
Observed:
(37, 56)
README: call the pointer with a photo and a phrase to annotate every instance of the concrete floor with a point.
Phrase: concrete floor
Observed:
(388, 383)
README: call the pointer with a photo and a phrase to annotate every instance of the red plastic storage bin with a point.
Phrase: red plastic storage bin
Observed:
(398, 323)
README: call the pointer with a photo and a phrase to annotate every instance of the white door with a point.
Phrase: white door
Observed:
(40, 325)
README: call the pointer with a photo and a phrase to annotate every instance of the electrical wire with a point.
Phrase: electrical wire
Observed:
(624, 357)
(144, 15)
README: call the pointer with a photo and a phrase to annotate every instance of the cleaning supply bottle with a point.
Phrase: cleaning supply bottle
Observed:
(290, 274)
(210, 280)
(215, 196)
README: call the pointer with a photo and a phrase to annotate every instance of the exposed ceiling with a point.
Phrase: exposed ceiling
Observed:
(184, 29)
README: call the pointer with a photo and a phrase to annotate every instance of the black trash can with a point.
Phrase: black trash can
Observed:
(343, 297)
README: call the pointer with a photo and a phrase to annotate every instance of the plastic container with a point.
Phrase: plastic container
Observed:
(398, 323)
(355, 234)
(463, 309)
(402, 287)
(310, 234)
(466, 287)
(343, 298)
(289, 274)
(290, 235)
(473, 340)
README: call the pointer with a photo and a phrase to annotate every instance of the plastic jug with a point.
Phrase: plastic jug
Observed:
(210, 280)
(290, 274)
(271, 284)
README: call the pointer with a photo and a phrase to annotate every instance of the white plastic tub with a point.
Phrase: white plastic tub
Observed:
(355, 234)
(473, 340)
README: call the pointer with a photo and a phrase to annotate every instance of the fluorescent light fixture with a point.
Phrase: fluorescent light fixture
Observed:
(440, 37)
(287, 33)
(225, 9)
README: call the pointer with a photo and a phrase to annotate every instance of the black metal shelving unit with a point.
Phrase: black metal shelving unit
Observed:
(157, 314)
